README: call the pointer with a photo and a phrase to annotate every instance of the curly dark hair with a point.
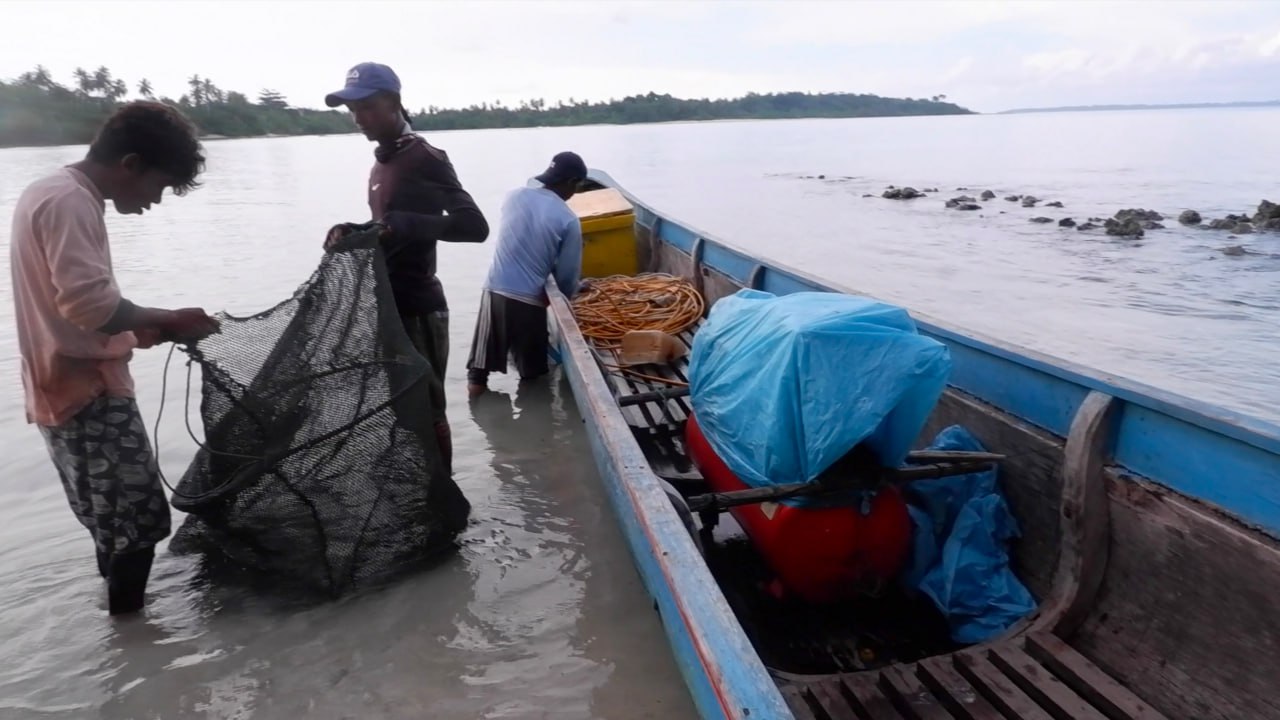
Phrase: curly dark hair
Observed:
(159, 134)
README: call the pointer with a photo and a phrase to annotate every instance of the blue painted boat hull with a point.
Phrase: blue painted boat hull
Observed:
(1223, 470)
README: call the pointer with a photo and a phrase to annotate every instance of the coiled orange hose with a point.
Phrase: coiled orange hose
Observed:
(613, 306)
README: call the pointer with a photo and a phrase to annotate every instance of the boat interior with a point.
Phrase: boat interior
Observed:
(1150, 604)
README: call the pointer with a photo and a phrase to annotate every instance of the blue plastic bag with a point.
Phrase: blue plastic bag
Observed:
(960, 559)
(783, 387)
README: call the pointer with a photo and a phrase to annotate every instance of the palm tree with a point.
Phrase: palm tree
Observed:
(102, 80)
(145, 89)
(84, 81)
(212, 94)
(117, 89)
(197, 90)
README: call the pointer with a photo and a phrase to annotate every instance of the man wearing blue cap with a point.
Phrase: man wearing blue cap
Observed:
(539, 236)
(414, 192)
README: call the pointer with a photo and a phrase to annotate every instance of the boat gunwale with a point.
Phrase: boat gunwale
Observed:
(707, 624)
(1154, 436)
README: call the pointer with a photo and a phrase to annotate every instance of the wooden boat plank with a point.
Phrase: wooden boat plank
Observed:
(830, 697)
(1061, 701)
(1116, 701)
(1030, 478)
(1198, 635)
(799, 702)
(864, 695)
(997, 688)
(954, 691)
(911, 695)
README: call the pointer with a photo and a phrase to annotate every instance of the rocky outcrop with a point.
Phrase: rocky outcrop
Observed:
(1152, 225)
(1087, 226)
(930, 190)
(1013, 198)
(1042, 220)
(964, 202)
(1128, 227)
(1230, 222)
(1055, 203)
(1029, 200)
(1066, 222)
(988, 195)
(1189, 217)
(1267, 211)
(906, 193)
(1272, 224)
(1242, 229)
(1234, 251)
(1139, 214)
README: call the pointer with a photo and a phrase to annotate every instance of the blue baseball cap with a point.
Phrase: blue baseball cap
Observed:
(364, 80)
(565, 167)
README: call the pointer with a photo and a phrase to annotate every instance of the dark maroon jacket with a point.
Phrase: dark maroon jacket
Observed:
(414, 190)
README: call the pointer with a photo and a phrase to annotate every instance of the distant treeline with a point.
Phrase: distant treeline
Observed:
(37, 110)
(665, 108)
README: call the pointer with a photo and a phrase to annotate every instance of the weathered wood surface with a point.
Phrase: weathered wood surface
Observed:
(1100, 689)
(1084, 516)
(1030, 677)
(1030, 477)
(712, 283)
(1189, 614)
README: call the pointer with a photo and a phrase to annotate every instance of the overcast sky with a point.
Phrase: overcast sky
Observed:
(988, 56)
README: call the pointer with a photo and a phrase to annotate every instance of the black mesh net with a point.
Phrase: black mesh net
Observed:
(320, 462)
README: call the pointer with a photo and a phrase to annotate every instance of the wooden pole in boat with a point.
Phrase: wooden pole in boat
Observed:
(719, 502)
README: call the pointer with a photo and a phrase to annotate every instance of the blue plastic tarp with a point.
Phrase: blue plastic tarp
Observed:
(960, 556)
(784, 386)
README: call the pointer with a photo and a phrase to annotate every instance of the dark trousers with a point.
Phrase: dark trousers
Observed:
(508, 328)
(429, 333)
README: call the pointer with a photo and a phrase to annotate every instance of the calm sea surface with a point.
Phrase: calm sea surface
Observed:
(541, 614)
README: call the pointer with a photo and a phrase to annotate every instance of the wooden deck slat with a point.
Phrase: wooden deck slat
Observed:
(799, 703)
(1061, 701)
(862, 693)
(913, 699)
(998, 689)
(954, 691)
(833, 702)
(1108, 695)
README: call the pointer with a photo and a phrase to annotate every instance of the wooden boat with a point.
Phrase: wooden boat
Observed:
(1148, 538)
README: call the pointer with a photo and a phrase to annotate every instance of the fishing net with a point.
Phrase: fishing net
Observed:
(320, 462)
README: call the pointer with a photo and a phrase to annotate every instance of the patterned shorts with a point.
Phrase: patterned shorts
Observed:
(110, 475)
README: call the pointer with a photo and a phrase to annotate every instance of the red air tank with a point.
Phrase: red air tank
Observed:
(819, 554)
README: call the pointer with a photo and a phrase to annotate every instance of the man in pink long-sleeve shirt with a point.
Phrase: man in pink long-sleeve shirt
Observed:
(77, 332)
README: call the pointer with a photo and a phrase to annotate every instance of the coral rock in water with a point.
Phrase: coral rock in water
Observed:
(1129, 227)
(906, 193)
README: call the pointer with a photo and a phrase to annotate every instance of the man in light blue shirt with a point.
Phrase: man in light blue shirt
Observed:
(538, 236)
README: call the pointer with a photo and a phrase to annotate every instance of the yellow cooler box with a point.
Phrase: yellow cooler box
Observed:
(608, 233)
